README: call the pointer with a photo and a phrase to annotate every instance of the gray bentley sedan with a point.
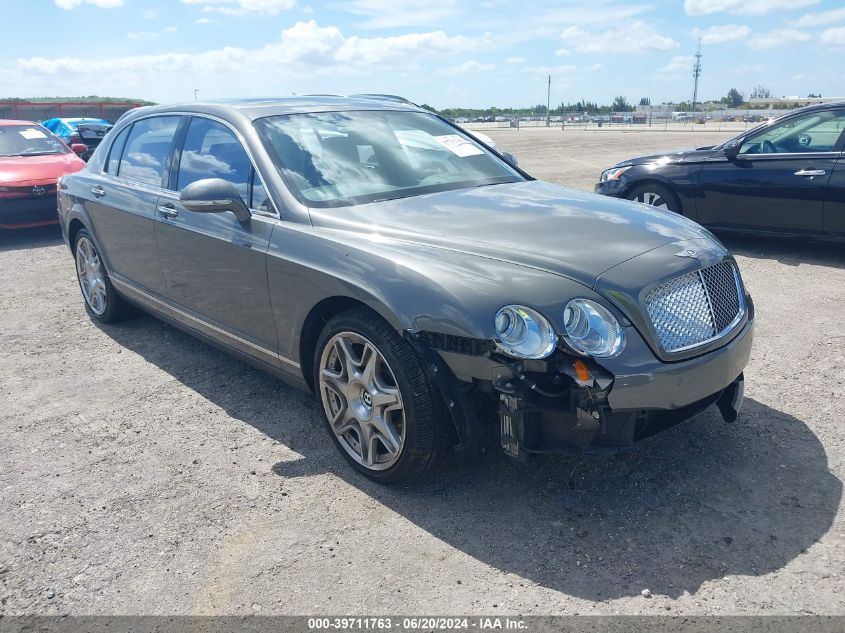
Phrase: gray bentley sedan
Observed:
(434, 296)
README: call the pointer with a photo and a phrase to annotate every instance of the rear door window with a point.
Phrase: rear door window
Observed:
(147, 150)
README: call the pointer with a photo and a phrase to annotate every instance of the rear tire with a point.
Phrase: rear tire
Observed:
(380, 408)
(655, 195)
(102, 302)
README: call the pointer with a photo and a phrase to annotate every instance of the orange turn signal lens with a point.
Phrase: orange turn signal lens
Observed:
(581, 370)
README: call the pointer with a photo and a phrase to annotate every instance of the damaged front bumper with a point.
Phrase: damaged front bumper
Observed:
(548, 406)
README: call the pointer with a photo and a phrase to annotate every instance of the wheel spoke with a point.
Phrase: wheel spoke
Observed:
(388, 434)
(346, 356)
(385, 398)
(368, 444)
(367, 366)
(334, 381)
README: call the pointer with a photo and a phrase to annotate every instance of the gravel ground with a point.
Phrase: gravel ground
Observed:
(143, 472)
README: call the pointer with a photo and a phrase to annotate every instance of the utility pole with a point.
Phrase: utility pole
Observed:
(548, 101)
(696, 73)
(196, 90)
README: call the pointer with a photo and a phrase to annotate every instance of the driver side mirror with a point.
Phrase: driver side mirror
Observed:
(214, 195)
(510, 158)
(79, 148)
(731, 150)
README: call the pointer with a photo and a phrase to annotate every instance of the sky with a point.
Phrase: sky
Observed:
(447, 53)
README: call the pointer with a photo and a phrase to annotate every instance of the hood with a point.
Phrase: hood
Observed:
(544, 226)
(33, 170)
(670, 157)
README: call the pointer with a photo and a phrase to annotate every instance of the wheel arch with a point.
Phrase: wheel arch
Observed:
(316, 319)
(73, 229)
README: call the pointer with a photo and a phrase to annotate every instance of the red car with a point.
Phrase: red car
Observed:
(32, 160)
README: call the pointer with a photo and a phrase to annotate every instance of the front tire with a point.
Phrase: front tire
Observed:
(378, 404)
(655, 195)
(102, 302)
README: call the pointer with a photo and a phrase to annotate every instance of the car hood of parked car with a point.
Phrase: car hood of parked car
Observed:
(25, 170)
(671, 157)
(544, 226)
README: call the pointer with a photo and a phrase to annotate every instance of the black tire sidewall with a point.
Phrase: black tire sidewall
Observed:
(421, 441)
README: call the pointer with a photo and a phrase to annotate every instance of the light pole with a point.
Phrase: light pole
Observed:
(696, 73)
(196, 90)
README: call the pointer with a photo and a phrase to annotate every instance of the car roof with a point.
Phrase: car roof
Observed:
(260, 108)
(4, 122)
(83, 119)
(830, 105)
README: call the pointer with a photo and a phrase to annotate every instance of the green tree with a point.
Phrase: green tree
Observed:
(645, 101)
(761, 92)
(734, 98)
(620, 104)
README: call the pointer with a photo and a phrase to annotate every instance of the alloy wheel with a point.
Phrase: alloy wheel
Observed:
(652, 199)
(362, 401)
(92, 277)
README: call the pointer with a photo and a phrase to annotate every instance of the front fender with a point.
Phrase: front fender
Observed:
(414, 287)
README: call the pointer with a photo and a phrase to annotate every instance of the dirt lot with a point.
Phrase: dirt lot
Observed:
(142, 471)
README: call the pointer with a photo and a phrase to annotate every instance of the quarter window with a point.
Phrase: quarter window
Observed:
(147, 148)
(116, 151)
(211, 150)
(814, 132)
(260, 200)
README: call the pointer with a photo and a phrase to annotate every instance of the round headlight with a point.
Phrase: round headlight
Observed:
(591, 329)
(524, 333)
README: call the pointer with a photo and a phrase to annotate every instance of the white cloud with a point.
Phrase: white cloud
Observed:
(743, 7)
(722, 34)
(103, 4)
(468, 67)
(242, 7)
(388, 14)
(304, 47)
(553, 70)
(821, 18)
(562, 52)
(833, 37)
(636, 37)
(677, 64)
(778, 37)
(205, 21)
(515, 60)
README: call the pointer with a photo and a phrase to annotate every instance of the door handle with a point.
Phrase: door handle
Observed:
(810, 172)
(168, 210)
(98, 191)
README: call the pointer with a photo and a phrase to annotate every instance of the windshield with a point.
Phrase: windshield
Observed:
(28, 140)
(334, 159)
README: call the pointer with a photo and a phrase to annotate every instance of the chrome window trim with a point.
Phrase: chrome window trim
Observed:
(129, 287)
(790, 155)
(275, 214)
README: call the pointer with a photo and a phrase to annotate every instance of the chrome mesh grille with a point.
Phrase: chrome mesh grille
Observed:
(696, 307)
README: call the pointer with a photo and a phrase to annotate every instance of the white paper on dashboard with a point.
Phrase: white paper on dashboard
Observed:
(31, 134)
(458, 145)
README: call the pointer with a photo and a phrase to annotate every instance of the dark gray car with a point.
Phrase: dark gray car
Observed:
(434, 296)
